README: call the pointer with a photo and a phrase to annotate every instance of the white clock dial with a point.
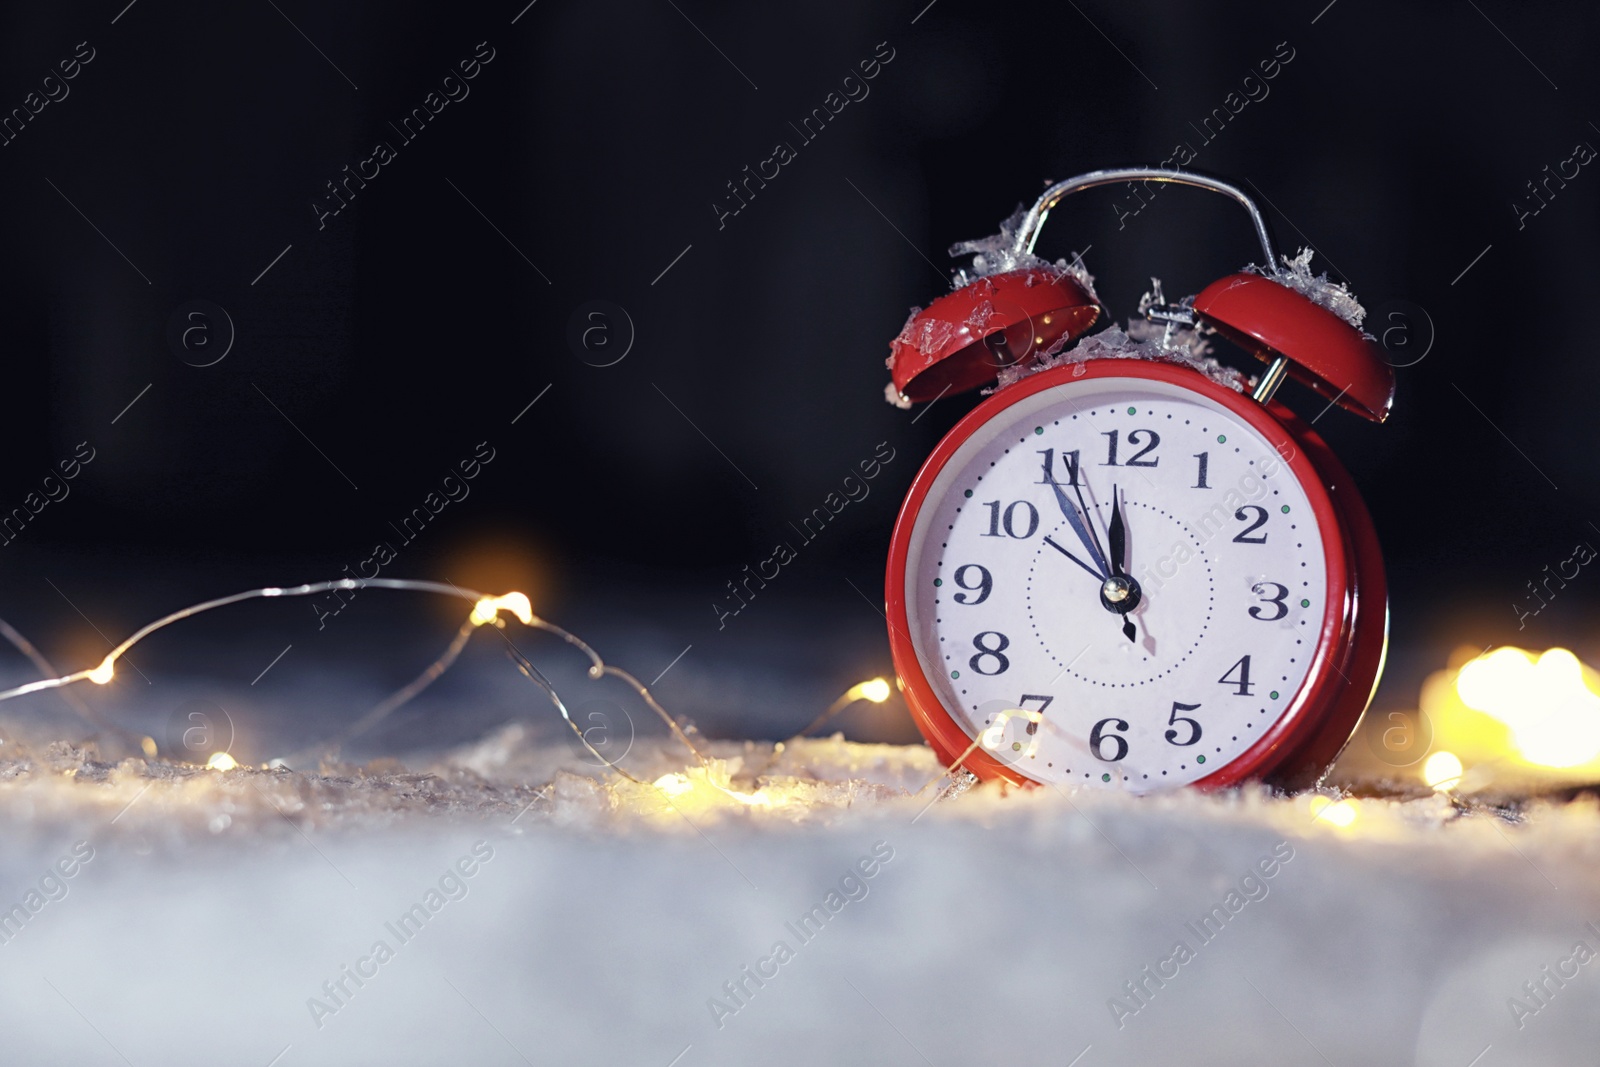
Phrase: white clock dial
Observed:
(1028, 645)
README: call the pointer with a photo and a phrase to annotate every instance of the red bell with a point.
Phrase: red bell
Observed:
(963, 339)
(1323, 351)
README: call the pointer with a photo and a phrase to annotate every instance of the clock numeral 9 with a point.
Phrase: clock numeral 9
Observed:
(1010, 519)
(1001, 643)
(1276, 600)
(1174, 719)
(1097, 736)
(984, 587)
(1134, 437)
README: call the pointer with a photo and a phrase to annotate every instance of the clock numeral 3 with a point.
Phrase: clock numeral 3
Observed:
(1097, 736)
(1134, 437)
(984, 587)
(1174, 719)
(997, 653)
(1010, 519)
(1276, 600)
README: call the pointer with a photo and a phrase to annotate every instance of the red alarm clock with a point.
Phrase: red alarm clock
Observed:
(1129, 567)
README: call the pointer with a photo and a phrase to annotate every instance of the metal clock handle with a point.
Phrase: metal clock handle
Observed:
(1033, 221)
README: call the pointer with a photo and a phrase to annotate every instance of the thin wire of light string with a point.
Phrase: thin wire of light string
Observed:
(598, 668)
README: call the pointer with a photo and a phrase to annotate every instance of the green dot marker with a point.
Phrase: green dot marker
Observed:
(1273, 694)
(1199, 759)
(1038, 429)
(967, 492)
(1284, 509)
(938, 581)
(1305, 603)
(1105, 778)
(955, 674)
(1016, 746)
(1222, 438)
(1131, 411)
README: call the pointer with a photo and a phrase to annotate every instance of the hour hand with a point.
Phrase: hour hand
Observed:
(1116, 537)
(1078, 527)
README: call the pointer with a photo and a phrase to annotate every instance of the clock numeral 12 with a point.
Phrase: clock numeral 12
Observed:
(1134, 437)
(1205, 461)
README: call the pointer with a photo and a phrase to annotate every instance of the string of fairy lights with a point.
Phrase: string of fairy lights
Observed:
(486, 611)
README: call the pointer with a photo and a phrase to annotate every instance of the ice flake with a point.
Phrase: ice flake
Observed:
(1146, 342)
(997, 254)
(1318, 288)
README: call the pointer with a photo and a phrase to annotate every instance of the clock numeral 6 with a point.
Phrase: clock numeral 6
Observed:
(1174, 719)
(984, 587)
(1010, 520)
(1276, 600)
(1001, 643)
(1097, 736)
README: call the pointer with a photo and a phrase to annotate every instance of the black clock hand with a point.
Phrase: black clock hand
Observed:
(1117, 541)
(1116, 536)
(1096, 575)
(1078, 489)
(1092, 546)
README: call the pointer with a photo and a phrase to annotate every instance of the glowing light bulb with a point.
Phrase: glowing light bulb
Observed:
(1442, 772)
(103, 674)
(1340, 813)
(876, 690)
(221, 761)
(488, 609)
(674, 784)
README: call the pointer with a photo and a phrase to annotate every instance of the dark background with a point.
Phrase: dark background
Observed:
(415, 323)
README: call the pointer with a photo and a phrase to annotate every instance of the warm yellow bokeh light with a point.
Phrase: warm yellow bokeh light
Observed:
(1549, 702)
(1340, 813)
(221, 761)
(674, 785)
(103, 674)
(701, 788)
(876, 690)
(488, 609)
(1442, 772)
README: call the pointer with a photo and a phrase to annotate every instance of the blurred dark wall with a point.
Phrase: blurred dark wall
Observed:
(391, 338)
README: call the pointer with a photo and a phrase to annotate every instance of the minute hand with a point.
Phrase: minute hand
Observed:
(1076, 521)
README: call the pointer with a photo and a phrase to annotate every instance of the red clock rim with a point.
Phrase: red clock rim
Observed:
(1298, 720)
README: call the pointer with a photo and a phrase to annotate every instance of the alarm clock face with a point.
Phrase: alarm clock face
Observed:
(1118, 581)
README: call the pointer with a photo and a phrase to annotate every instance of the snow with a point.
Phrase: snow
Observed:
(1319, 288)
(605, 920)
(998, 254)
(1145, 341)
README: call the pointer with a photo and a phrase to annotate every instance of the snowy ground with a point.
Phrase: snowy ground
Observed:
(559, 918)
